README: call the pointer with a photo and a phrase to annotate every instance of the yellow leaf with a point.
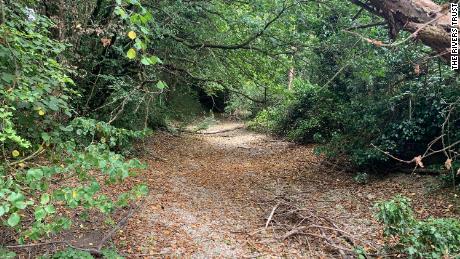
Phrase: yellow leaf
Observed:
(132, 35)
(41, 112)
(15, 153)
(131, 54)
(21, 165)
(74, 194)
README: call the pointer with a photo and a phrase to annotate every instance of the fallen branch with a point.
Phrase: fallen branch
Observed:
(120, 224)
(93, 251)
(304, 221)
(212, 132)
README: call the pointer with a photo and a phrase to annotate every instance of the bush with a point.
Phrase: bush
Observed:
(311, 117)
(49, 160)
(266, 120)
(361, 178)
(431, 238)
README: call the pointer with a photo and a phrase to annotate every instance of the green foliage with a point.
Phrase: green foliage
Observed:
(311, 116)
(111, 254)
(452, 177)
(72, 254)
(35, 89)
(6, 254)
(79, 83)
(38, 199)
(396, 215)
(87, 131)
(361, 178)
(266, 120)
(431, 238)
(38, 103)
(349, 97)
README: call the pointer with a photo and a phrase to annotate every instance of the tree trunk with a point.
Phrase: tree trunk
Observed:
(430, 21)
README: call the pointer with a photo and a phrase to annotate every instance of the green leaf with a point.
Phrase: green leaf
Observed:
(40, 214)
(145, 61)
(14, 219)
(20, 205)
(131, 54)
(161, 85)
(46, 137)
(15, 196)
(139, 44)
(119, 11)
(50, 209)
(8, 78)
(6, 254)
(45, 199)
(154, 60)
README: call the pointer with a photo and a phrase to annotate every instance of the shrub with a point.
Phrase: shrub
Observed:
(361, 178)
(50, 161)
(431, 238)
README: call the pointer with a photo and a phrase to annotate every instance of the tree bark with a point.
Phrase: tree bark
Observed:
(429, 21)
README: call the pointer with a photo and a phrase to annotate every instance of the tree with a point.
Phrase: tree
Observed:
(427, 21)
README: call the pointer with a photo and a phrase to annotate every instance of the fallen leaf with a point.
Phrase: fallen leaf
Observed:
(448, 164)
(106, 42)
(417, 69)
(418, 161)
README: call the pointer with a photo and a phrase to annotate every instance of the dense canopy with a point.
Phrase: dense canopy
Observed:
(82, 83)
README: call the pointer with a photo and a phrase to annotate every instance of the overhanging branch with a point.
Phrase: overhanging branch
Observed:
(243, 45)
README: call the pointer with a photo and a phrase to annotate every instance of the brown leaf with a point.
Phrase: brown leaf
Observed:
(448, 164)
(417, 69)
(378, 43)
(418, 161)
(375, 42)
(106, 42)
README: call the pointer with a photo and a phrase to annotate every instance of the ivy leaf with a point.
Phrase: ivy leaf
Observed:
(131, 53)
(13, 220)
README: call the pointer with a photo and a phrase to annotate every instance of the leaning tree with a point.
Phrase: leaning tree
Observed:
(425, 20)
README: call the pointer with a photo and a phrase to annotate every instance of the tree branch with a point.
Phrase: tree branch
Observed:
(243, 45)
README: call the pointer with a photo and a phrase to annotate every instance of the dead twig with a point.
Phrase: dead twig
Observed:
(271, 215)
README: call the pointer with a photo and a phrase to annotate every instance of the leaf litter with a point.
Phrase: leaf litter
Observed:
(236, 193)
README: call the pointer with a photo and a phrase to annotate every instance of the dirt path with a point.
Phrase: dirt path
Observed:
(210, 197)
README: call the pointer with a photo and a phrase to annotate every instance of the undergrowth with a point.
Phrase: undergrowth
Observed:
(430, 238)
